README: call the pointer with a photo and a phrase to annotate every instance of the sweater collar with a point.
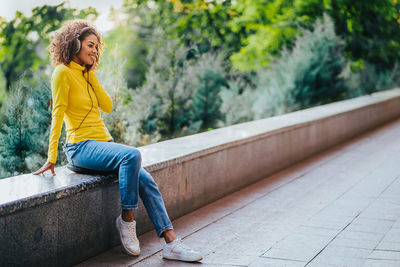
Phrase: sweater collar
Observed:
(74, 65)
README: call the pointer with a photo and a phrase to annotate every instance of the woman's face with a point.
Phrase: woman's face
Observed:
(89, 49)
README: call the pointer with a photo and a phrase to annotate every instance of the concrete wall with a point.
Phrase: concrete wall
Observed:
(71, 217)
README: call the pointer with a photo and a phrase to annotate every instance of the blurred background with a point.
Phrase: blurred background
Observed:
(179, 67)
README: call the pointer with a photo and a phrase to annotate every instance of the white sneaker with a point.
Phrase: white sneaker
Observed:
(176, 250)
(127, 235)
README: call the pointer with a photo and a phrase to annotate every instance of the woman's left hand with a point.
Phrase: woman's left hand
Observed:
(45, 167)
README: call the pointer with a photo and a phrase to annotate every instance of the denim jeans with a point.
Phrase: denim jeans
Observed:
(134, 181)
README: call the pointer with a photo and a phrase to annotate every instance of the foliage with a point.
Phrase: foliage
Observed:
(199, 22)
(208, 80)
(270, 25)
(24, 132)
(307, 75)
(16, 135)
(111, 77)
(370, 29)
(132, 48)
(369, 79)
(237, 101)
(168, 99)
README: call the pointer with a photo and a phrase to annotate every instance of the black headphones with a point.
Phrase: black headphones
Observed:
(77, 41)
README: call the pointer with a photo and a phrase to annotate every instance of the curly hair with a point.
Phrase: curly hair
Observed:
(63, 44)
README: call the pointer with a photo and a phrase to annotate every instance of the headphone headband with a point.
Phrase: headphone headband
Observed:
(82, 31)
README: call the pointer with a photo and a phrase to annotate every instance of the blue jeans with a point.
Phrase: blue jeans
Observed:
(134, 181)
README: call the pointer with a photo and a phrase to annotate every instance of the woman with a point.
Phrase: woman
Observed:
(77, 96)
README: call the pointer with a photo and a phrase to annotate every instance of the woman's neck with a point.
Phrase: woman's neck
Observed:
(78, 61)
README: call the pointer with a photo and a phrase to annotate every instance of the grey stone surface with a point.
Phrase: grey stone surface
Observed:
(371, 225)
(393, 246)
(31, 237)
(111, 208)
(337, 261)
(354, 243)
(80, 227)
(385, 255)
(265, 262)
(3, 240)
(381, 263)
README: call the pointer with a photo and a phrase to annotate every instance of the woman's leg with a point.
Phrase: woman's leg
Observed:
(154, 204)
(133, 179)
(97, 155)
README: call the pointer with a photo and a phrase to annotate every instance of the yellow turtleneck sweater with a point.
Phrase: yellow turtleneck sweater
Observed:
(71, 103)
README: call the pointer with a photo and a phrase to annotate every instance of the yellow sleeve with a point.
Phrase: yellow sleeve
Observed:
(103, 98)
(59, 90)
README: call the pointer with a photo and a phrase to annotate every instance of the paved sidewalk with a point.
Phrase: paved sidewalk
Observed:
(339, 208)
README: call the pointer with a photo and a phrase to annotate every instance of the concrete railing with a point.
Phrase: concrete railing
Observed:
(62, 220)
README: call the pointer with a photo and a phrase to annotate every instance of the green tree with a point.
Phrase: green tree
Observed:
(309, 74)
(16, 135)
(270, 25)
(208, 72)
(370, 29)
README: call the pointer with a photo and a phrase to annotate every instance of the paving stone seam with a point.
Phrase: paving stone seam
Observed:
(389, 250)
(388, 186)
(283, 259)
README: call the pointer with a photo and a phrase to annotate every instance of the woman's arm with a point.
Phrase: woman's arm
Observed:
(104, 100)
(60, 90)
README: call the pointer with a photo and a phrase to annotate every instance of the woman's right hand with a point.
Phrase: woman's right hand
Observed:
(47, 166)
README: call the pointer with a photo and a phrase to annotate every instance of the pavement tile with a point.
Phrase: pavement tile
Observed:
(292, 254)
(381, 263)
(319, 231)
(385, 255)
(250, 243)
(336, 261)
(354, 243)
(370, 225)
(394, 246)
(267, 262)
(235, 258)
(393, 235)
(329, 221)
(345, 252)
(396, 224)
(361, 236)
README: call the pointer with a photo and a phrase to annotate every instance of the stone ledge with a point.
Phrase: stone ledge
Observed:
(191, 172)
(28, 190)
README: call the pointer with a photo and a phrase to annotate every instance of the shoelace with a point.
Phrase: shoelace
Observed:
(132, 232)
(180, 244)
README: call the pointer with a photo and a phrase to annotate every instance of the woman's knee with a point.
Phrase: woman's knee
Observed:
(134, 155)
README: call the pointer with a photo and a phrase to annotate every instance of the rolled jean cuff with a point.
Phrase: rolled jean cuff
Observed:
(129, 207)
(163, 230)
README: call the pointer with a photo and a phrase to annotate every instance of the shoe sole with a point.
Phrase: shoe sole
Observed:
(180, 258)
(122, 243)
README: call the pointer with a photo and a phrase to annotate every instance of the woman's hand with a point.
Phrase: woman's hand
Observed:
(47, 166)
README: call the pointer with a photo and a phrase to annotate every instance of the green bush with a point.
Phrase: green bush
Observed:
(307, 75)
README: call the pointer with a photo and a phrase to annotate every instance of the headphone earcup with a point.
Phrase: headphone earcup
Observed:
(77, 45)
